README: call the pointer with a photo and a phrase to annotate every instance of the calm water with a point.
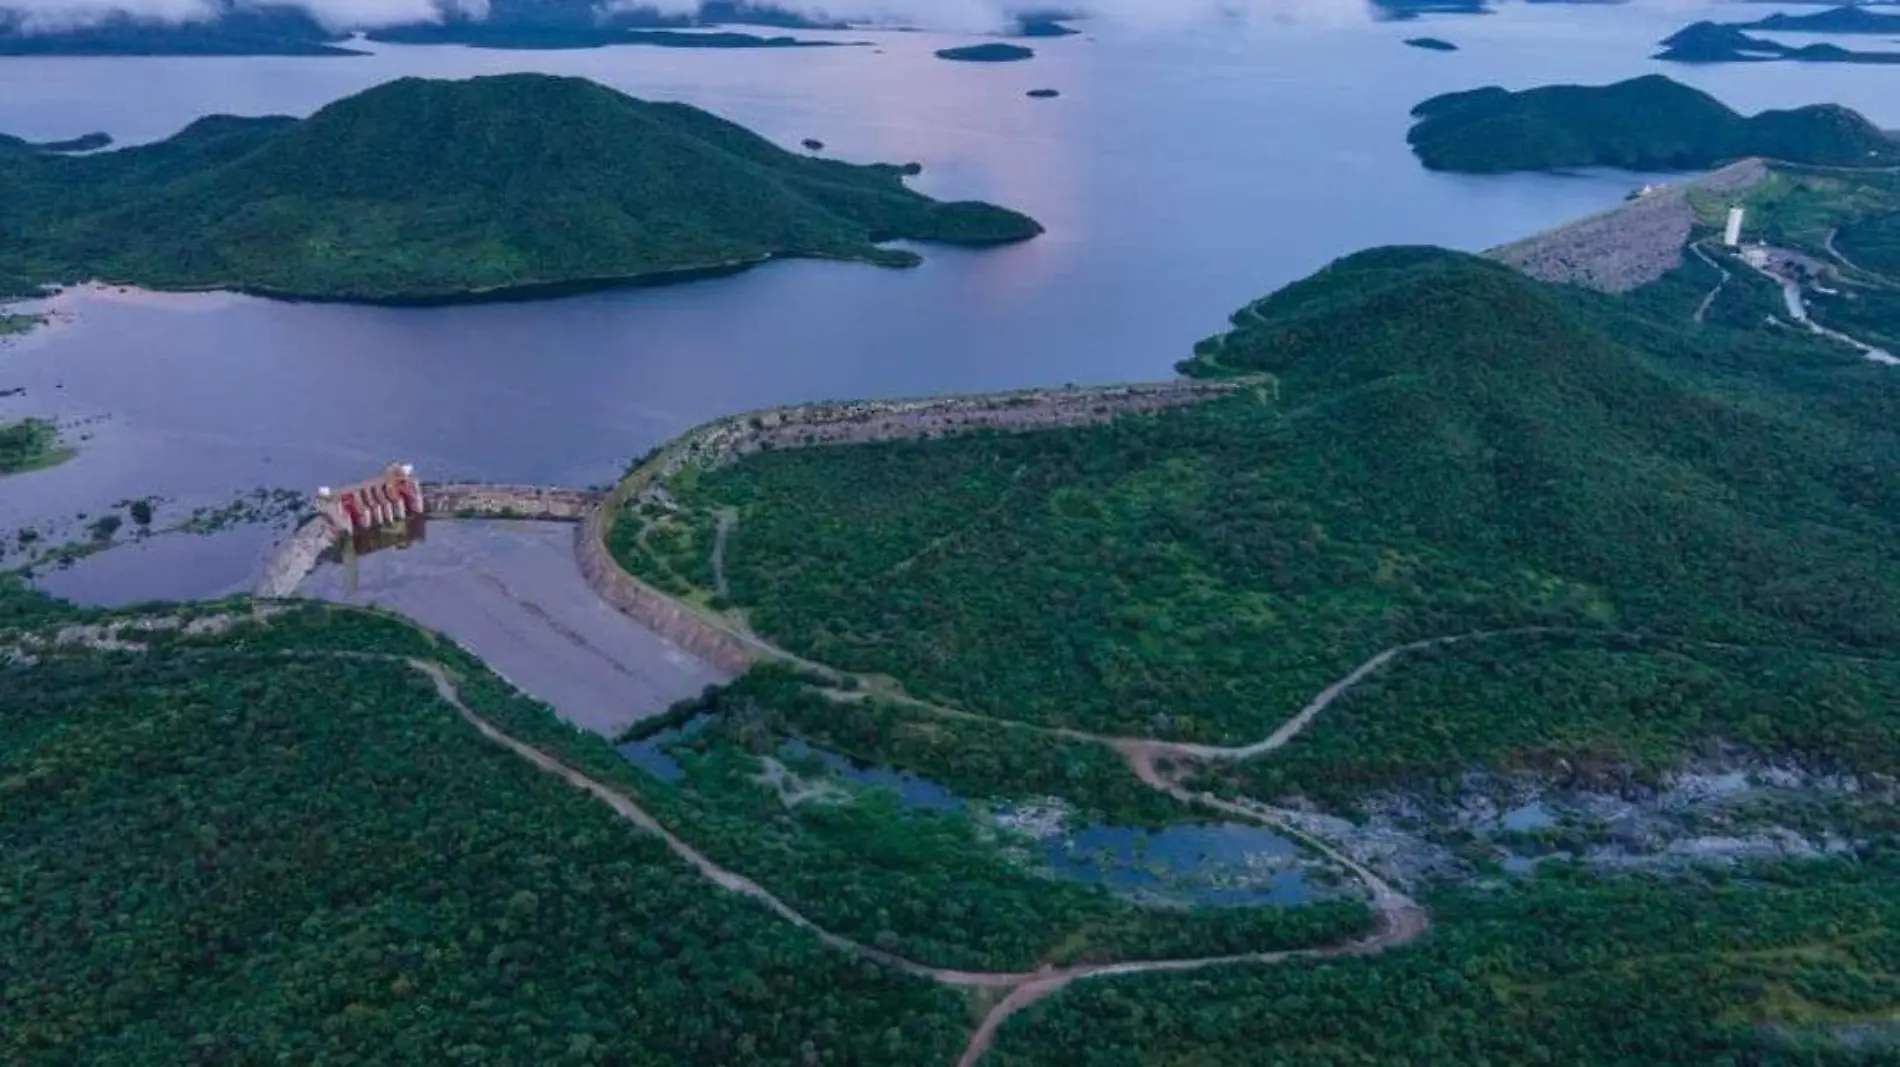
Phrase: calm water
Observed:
(1182, 173)
(1206, 863)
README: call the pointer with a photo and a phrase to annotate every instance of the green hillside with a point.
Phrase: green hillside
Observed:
(1447, 447)
(259, 846)
(1793, 967)
(421, 190)
(1646, 123)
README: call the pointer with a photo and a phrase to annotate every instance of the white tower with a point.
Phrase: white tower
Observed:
(1732, 237)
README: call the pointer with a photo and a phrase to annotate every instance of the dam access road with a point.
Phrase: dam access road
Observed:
(704, 646)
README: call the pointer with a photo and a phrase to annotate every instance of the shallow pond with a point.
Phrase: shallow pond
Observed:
(1205, 863)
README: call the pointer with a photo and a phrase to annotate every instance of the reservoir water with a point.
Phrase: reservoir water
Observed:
(1184, 171)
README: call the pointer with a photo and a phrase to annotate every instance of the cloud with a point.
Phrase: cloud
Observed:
(981, 16)
(971, 16)
(47, 16)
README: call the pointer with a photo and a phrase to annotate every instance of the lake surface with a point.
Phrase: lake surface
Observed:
(1183, 172)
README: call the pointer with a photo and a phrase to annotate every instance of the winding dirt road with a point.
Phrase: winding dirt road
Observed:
(1400, 919)
(1702, 309)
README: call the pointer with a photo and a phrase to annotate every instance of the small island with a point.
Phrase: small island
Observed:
(1042, 94)
(1044, 25)
(1714, 42)
(515, 186)
(993, 52)
(30, 445)
(1431, 44)
(1647, 123)
(813, 144)
(1407, 10)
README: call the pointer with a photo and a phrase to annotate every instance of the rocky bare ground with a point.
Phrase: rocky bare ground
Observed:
(1724, 809)
(1628, 246)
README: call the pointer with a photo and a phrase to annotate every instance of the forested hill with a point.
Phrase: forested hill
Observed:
(419, 190)
(1646, 123)
(1449, 447)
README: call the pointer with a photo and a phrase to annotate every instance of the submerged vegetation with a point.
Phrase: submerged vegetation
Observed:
(940, 882)
(1646, 123)
(424, 190)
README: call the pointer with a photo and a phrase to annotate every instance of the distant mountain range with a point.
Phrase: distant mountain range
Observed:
(525, 24)
(1848, 19)
(1715, 42)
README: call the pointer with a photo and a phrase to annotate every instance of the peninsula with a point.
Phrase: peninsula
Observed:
(439, 191)
(1647, 123)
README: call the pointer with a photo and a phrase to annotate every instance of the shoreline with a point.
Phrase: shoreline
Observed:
(55, 304)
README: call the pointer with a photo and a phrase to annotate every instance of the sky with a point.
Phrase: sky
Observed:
(65, 14)
(969, 15)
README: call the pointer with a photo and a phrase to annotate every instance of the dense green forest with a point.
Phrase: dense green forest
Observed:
(1646, 123)
(421, 190)
(1759, 969)
(1450, 447)
(1605, 710)
(933, 885)
(217, 852)
(29, 445)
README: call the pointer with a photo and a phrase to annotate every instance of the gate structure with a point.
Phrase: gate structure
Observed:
(393, 497)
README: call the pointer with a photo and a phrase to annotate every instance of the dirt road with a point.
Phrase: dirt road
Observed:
(1400, 919)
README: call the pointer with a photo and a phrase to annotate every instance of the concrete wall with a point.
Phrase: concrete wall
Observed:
(862, 421)
(296, 557)
(1628, 246)
(509, 501)
(677, 622)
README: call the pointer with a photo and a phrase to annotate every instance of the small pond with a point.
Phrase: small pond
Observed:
(649, 753)
(1202, 863)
